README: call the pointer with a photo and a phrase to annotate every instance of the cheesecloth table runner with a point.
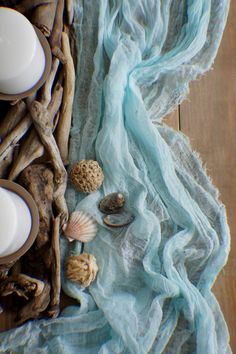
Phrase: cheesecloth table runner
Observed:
(153, 290)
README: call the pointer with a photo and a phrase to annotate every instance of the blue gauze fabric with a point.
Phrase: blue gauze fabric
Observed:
(153, 289)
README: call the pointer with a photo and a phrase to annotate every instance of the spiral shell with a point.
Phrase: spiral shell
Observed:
(81, 227)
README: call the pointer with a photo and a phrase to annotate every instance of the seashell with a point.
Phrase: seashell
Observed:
(118, 220)
(86, 176)
(112, 203)
(81, 227)
(82, 269)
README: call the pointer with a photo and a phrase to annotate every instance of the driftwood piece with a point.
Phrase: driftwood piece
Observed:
(44, 126)
(8, 3)
(34, 308)
(4, 270)
(16, 269)
(4, 165)
(32, 148)
(54, 307)
(56, 120)
(12, 118)
(14, 102)
(73, 45)
(46, 90)
(43, 17)
(37, 261)
(38, 180)
(56, 100)
(69, 11)
(42, 261)
(55, 38)
(14, 136)
(27, 5)
(22, 285)
(64, 124)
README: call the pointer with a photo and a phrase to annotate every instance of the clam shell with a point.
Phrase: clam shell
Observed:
(112, 203)
(118, 220)
(81, 227)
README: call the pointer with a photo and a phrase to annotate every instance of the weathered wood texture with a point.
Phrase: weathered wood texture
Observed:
(208, 117)
(172, 119)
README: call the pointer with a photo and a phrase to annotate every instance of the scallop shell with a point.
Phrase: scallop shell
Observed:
(81, 227)
(112, 203)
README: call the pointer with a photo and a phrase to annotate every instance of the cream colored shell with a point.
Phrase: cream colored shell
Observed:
(82, 269)
(81, 227)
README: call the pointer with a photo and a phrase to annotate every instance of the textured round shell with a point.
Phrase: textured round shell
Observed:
(112, 203)
(87, 176)
(82, 269)
(81, 227)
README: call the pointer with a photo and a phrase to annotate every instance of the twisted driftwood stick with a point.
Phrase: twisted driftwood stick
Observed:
(27, 5)
(55, 104)
(32, 148)
(38, 180)
(46, 91)
(4, 270)
(70, 11)
(36, 306)
(44, 126)
(4, 165)
(14, 136)
(43, 17)
(21, 284)
(55, 38)
(12, 118)
(54, 307)
(64, 124)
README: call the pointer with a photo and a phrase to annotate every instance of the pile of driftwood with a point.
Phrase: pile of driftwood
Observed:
(34, 136)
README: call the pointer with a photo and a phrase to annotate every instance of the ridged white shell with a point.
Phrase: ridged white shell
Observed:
(81, 227)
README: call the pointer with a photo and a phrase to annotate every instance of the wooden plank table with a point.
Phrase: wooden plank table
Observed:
(208, 117)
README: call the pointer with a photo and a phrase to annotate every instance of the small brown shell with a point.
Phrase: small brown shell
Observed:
(119, 220)
(87, 176)
(81, 227)
(112, 203)
(82, 269)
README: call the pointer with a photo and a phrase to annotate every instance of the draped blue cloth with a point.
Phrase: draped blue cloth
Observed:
(152, 293)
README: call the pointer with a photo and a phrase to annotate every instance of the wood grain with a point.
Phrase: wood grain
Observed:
(172, 119)
(209, 119)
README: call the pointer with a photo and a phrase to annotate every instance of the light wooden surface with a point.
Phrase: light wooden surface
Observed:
(208, 117)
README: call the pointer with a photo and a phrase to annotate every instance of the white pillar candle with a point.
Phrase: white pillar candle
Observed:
(22, 59)
(15, 222)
